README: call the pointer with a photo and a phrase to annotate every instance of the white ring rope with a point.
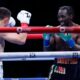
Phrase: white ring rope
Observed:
(28, 56)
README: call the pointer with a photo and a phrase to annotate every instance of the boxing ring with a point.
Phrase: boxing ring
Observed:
(35, 56)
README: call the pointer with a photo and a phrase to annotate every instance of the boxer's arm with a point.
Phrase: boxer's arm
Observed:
(19, 39)
(51, 40)
(46, 40)
(71, 42)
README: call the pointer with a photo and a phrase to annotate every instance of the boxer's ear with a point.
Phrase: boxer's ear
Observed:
(6, 20)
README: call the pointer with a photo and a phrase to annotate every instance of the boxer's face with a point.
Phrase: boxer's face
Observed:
(63, 17)
(4, 22)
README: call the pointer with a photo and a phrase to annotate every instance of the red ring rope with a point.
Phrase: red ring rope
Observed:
(40, 29)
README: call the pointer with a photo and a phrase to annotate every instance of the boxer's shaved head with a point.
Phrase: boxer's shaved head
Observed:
(69, 9)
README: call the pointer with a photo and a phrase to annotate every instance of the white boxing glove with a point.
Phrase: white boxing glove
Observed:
(12, 22)
(24, 16)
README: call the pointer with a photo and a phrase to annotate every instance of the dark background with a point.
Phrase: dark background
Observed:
(43, 13)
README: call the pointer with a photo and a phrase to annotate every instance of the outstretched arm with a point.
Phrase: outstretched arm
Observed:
(19, 39)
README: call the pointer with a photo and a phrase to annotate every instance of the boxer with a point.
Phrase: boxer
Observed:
(65, 68)
(6, 20)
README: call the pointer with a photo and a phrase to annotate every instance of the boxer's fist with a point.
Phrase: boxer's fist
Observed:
(12, 22)
(46, 36)
(66, 37)
(24, 16)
